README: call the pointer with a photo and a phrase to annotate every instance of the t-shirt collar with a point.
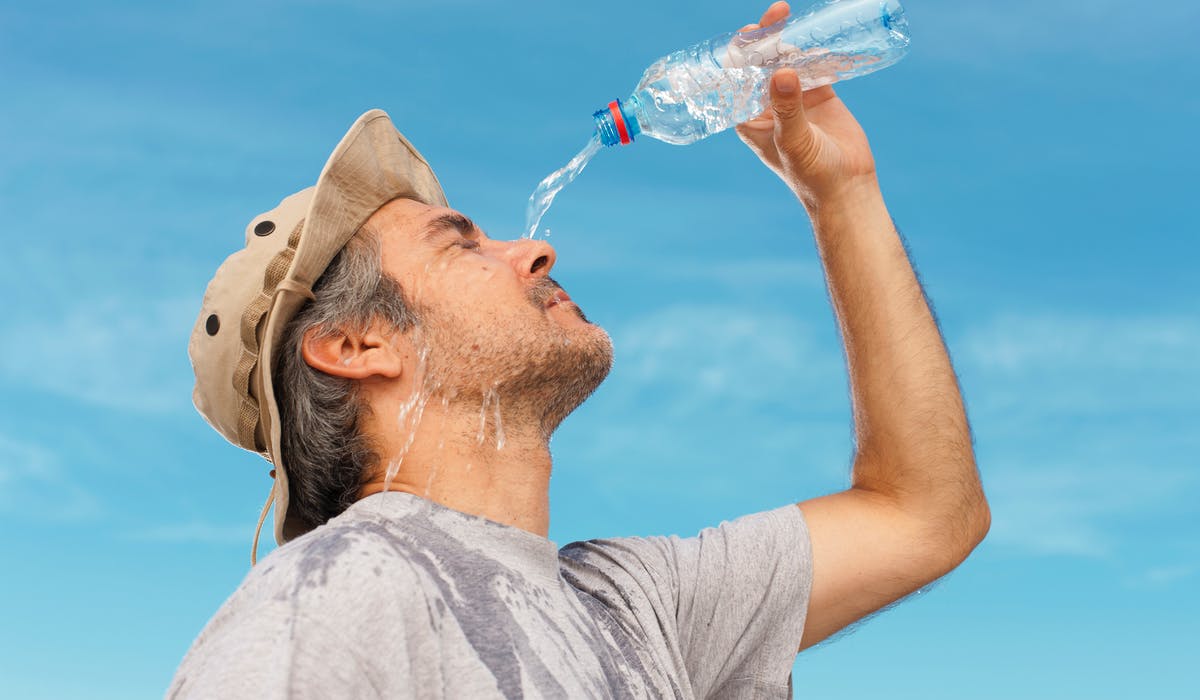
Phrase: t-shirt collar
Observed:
(510, 546)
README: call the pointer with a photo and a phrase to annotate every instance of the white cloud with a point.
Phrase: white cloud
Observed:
(1074, 509)
(1064, 365)
(1077, 421)
(127, 354)
(33, 485)
(1159, 577)
(1014, 343)
(691, 356)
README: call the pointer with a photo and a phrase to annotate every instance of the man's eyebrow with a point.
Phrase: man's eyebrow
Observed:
(453, 220)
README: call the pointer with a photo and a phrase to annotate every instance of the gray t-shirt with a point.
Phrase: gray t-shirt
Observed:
(400, 597)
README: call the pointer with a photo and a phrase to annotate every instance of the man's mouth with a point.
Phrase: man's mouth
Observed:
(558, 297)
(547, 293)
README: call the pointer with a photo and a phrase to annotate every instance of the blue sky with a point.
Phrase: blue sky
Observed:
(1039, 155)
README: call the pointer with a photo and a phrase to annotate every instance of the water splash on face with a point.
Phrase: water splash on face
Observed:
(543, 196)
(445, 402)
(409, 415)
(490, 406)
(411, 411)
(499, 425)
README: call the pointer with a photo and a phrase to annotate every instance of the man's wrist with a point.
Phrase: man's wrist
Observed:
(852, 199)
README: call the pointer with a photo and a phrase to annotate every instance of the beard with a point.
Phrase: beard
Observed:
(574, 368)
(539, 368)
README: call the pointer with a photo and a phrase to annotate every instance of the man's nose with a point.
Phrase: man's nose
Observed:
(528, 257)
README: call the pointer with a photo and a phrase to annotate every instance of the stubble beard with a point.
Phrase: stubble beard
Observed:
(539, 369)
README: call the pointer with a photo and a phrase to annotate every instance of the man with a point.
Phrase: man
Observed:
(403, 373)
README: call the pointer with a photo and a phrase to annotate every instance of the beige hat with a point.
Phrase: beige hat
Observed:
(258, 289)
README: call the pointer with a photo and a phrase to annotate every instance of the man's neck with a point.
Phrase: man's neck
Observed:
(463, 458)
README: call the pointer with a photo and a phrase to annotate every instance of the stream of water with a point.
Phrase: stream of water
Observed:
(543, 196)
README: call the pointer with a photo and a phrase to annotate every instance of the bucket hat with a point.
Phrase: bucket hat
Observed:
(257, 290)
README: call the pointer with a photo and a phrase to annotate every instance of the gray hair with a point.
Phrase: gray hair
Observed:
(325, 453)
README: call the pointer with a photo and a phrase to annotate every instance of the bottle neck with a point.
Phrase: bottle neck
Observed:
(617, 123)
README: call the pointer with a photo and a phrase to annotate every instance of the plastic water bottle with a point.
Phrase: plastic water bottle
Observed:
(711, 86)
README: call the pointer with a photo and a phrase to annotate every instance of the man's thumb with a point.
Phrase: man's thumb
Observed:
(793, 137)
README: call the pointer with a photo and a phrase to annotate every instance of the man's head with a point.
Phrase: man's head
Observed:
(366, 293)
(422, 305)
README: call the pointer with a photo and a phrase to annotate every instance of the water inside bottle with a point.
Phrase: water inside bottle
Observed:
(543, 196)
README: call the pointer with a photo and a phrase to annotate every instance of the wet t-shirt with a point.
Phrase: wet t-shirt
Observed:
(399, 597)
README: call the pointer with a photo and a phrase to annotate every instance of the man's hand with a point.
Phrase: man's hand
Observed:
(808, 138)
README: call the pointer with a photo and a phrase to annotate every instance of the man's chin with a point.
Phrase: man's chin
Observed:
(581, 366)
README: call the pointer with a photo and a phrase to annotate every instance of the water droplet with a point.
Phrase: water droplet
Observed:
(499, 425)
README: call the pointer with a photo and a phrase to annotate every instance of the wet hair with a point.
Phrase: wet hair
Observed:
(324, 450)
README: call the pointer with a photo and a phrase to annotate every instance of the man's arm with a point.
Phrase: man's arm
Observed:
(915, 508)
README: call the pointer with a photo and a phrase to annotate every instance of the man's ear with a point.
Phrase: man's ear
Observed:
(353, 355)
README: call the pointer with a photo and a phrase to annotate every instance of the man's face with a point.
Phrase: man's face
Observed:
(491, 317)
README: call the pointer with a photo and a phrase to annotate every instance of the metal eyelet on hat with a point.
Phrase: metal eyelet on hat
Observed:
(264, 228)
(212, 324)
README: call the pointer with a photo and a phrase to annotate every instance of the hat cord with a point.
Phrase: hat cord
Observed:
(262, 517)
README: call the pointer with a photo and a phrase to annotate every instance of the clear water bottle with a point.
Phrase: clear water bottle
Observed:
(713, 85)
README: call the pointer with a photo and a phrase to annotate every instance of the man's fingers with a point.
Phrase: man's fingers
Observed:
(816, 96)
(761, 132)
(758, 134)
(774, 13)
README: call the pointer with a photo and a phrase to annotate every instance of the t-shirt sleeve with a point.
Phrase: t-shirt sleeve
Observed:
(729, 603)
